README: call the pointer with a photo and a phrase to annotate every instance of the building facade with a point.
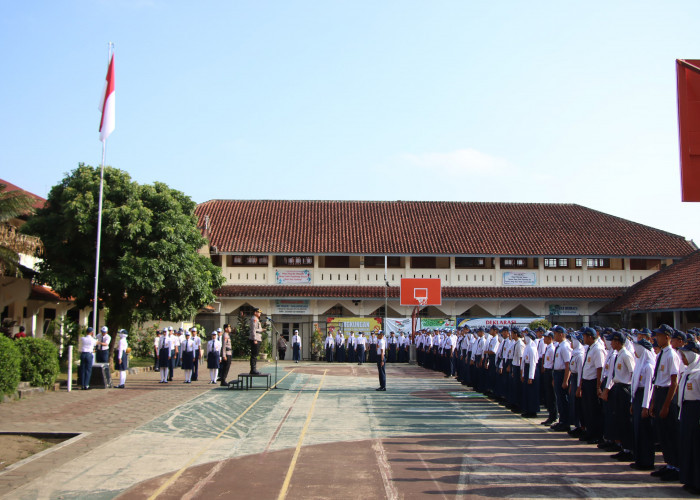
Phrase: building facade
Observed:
(305, 262)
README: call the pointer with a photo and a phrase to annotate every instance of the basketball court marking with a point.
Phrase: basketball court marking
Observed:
(175, 476)
(292, 465)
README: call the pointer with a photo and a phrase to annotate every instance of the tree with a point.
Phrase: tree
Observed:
(13, 204)
(150, 267)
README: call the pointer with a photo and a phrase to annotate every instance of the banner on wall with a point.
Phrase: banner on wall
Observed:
(292, 307)
(519, 278)
(398, 326)
(347, 325)
(293, 277)
(433, 323)
(499, 322)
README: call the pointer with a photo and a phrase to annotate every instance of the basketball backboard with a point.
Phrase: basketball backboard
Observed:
(421, 292)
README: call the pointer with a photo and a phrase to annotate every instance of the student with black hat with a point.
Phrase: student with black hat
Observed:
(530, 377)
(642, 389)
(589, 390)
(664, 407)
(547, 380)
(561, 373)
(618, 394)
(187, 347)
(213, 356)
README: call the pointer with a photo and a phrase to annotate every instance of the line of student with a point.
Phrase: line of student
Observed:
(623, 391)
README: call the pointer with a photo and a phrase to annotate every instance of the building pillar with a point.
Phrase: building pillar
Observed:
(649, 320)
(677, 320)
(497, 271)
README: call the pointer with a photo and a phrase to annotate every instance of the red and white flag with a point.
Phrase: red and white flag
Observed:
(107, 106)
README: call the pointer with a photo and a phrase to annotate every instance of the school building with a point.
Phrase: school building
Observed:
(307, 263)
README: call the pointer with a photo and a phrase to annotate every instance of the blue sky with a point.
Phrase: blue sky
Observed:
(540, 101)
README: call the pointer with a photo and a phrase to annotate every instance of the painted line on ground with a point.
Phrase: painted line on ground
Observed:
(284, 419)
(292, 465)
(176, 475)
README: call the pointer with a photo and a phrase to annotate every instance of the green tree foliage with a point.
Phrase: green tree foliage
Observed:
(13, 204)
(540, 322)
(39, 364)
(10, 360)
(150, 267)
(239, 337)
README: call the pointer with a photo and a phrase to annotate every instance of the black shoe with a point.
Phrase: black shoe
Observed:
(560, 428)
(660, 472)
(547, 422)
(623, 456)
(224, 383)
(671, 475)
(255, 372)
(380, 389)
(606, 445)
(528, 415)
(576, 432)
(636, 466)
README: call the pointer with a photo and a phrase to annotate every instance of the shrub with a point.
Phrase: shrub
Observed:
(10, 361)
(142, 341)
(39, 364)
(540, 322)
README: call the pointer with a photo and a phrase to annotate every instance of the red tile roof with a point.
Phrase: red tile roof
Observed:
(38, 201)
(429, 228)
(46, 294)
(673, 288)
(376, 292)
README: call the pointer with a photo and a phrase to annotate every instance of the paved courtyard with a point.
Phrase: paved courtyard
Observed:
(322, 433)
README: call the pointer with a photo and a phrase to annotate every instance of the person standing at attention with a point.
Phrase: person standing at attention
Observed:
(255, 340)
(381, 365)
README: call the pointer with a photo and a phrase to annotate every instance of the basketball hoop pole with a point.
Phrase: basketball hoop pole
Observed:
(386, 291)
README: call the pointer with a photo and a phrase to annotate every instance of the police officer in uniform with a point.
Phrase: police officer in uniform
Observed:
(226, 354)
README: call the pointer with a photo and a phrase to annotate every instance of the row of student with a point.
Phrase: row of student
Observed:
(96, 349)
(624, 391)
(360, 348)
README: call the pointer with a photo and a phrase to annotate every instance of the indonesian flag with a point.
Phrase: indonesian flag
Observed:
(107, 105)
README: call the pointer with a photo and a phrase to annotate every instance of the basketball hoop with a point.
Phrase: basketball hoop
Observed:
(422, 301)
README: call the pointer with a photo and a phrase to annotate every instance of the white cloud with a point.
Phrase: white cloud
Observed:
(460, 162)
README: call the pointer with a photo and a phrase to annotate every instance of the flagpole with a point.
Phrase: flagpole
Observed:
(110, 46)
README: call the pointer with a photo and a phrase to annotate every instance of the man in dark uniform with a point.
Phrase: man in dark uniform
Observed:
(226, 354)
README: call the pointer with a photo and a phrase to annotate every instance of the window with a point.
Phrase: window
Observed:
(288, 260)
(248, 260)
(423, 262)
(469, 262)
(551, 263)
(600, 263)
(513, 262)
(372, 261)
(337, 261)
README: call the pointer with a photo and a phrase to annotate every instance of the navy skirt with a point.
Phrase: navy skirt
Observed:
(188, 360)
(124, 365)
(213, 360)
(163, 355)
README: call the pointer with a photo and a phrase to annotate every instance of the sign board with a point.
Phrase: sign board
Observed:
(293, 277)
(347, 325)
(519, 278)
(557, 310)
(499, 322)
(292, 307)
(688, 81)
(433, 323)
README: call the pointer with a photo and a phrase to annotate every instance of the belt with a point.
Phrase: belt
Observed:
(558, 370)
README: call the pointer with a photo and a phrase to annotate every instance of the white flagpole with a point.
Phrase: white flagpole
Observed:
(95, 308)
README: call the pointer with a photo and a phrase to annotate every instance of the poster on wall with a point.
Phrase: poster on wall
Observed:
(519, 278)
(558, 310)
(293, 277)
(347, 325)
(433, 323)
(499, 322)
(398, 326)
(292, 307)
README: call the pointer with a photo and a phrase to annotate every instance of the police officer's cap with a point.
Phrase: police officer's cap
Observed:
(541, 329)
(515, 329)
(620, 337)
(531, 335)
(104, 329)
(559, 329)
(90, 330)
(645, 331)
(548, 334)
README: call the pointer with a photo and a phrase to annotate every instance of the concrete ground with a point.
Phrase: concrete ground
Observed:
(323, 433)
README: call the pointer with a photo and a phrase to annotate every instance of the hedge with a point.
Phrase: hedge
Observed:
(39, 365)
(10, 360)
